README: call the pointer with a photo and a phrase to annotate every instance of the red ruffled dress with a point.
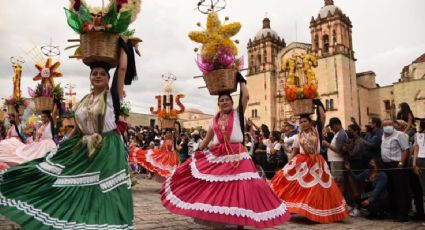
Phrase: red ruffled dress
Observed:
(306, 186)
(162, 161)
(221, 184)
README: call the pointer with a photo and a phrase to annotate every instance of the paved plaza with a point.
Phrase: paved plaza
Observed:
(150, 214)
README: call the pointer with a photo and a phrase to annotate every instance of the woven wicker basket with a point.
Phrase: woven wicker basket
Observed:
(43, 103)
(167, 123)
(11, 109)
(100, 46)
(222, 80)
(69, 121)
(302, 106)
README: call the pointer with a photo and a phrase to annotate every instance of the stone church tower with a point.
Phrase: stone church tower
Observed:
(336, 72)
(262, 53)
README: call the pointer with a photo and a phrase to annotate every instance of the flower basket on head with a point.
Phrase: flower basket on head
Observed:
(302, 106)
(100, 46)
(222, 80)
(11, 109)
(43, 103)
(100, 29)
(20, 102)
(167, 123)
(301, 85)
(217, 58)
(44, 96)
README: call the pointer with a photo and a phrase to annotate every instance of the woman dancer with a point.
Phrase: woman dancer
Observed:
(162, 161)
(305, 183)
(85, 183)
(43, 141)
(14, 139)
(221, 184)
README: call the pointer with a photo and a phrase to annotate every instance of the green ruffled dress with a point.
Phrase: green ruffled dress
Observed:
(84, 184)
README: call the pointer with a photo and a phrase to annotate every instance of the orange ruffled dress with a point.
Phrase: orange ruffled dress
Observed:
(162, 161)
(306, 186)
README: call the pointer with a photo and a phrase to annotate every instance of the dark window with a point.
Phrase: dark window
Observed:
(327, 104)
(325, 43)
(331, 104)
(387, 105)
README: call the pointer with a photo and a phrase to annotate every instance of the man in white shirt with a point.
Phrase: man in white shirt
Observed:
(394, 153)
(291, 132)
(336, 151)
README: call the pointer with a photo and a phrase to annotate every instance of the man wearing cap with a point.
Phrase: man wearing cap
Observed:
(336, 151)
(194, 142)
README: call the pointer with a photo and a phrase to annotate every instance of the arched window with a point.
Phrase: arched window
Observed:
(325, 43)
(316, 41)
(334, 37)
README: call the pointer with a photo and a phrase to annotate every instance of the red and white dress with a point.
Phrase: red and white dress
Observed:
(162, 161)
(9, 145)
(306, 186)
(221, 184)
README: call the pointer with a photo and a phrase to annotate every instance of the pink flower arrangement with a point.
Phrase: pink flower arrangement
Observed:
(224, 59)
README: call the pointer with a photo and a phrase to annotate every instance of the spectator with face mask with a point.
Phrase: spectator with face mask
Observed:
(373, 139)
(414, 184)
(394, 153)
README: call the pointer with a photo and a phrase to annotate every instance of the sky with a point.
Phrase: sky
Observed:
(387, 35)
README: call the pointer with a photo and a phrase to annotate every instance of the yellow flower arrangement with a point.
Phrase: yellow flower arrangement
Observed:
(216, 36)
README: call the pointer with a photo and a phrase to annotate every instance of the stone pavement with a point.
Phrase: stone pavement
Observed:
(149, 214)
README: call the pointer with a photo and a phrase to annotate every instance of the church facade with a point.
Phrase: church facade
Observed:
(344, 92)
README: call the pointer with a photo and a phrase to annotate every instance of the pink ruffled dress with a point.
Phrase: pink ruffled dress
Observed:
(9, 145)
(222, 185)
